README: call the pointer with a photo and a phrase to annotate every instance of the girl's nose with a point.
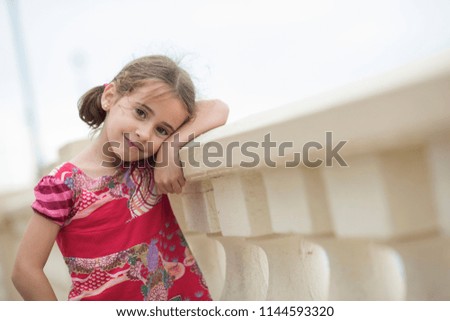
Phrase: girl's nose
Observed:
(144, 133)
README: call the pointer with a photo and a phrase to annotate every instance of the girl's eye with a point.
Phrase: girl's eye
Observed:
(140, 113)
(162, 131)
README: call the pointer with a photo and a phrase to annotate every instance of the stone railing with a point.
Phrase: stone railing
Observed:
(372, 225)
(376, 229)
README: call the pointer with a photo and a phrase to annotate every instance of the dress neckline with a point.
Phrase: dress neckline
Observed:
(119, 171)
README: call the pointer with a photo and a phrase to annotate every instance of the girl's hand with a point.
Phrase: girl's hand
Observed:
(169, 176)
(168, 172)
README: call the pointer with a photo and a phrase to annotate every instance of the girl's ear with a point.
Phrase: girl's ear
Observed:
(108, 96)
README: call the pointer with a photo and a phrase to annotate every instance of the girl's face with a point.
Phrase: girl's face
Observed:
(137, 123)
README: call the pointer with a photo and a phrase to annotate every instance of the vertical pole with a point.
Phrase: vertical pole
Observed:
(28, 98)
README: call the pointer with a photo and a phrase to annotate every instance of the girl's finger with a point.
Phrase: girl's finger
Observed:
(160, 189)
(176, 188)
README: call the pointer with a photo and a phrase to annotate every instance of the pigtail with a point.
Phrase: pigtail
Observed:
(90, 107)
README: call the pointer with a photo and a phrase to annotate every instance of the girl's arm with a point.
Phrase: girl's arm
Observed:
(28, 274)
(168, 172)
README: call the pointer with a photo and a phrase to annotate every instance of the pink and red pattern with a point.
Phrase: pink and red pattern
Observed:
(119, 239)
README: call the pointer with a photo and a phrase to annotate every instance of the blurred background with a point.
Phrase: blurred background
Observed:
(254, 54)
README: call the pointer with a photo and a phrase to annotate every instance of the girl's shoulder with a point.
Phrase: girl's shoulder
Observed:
(66, 169)
(64, 173)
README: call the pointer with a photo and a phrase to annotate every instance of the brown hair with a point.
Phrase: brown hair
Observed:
(133, 76)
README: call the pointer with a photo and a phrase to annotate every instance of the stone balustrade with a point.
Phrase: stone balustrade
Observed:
(371, 222)
(372, 225)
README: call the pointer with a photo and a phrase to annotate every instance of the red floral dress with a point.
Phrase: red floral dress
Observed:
(118, 238)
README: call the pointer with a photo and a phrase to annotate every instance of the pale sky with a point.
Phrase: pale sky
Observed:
(253, 54)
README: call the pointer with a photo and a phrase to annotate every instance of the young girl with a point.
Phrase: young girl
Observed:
(107, 209)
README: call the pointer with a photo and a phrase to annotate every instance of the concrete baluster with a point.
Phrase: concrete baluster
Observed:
(210, 257)
(439, 161)
(298, 269)
(363, 270)
(8, 247)
(427, 267)
(246, 270)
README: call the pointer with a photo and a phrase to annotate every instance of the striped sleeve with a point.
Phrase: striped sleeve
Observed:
(54, 199)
